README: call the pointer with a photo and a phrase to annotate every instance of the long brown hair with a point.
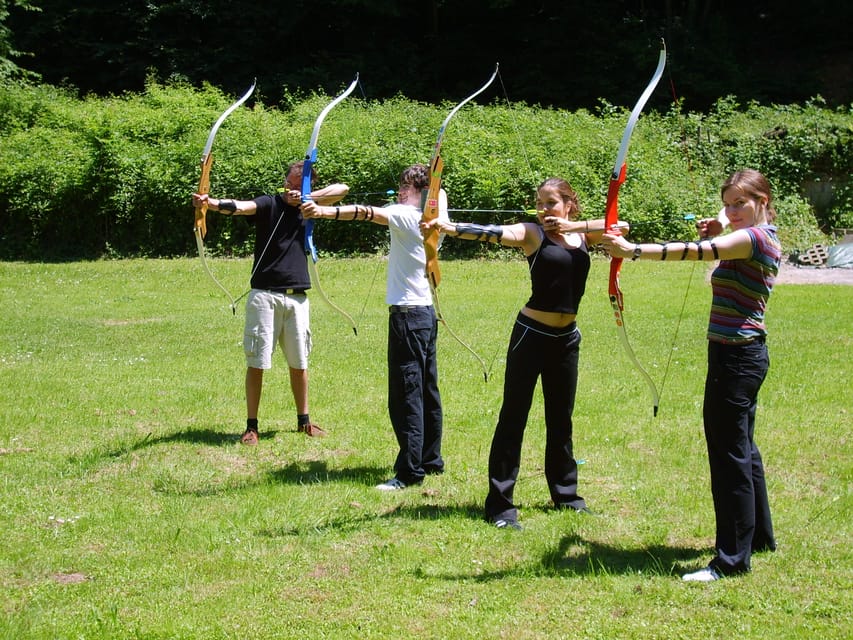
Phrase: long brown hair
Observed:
(754, 184)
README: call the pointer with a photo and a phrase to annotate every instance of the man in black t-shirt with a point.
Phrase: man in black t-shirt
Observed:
(277, 307)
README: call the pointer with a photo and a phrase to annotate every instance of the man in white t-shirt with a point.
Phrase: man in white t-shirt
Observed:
(414, 401)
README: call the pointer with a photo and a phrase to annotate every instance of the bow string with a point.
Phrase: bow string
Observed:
(611, 220)
(200, 227)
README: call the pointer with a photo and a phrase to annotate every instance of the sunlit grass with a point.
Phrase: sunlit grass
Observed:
(130, 510)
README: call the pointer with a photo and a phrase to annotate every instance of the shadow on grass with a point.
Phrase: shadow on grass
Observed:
(190, 436)
(318, 471)
(575, 556)
(572, 556)
(356, 519)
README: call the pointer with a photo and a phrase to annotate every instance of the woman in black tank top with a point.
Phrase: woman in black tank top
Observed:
(544, 344)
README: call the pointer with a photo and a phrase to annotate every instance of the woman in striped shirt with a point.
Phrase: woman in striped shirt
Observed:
(737, 361)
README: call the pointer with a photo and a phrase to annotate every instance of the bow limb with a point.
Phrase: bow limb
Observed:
(315, 279)
(431, 210)
(307, 167)
(611, 220)
(431, 202)
(200, 226)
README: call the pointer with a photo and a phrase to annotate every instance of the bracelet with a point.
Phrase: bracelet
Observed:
(586, 226)
(337, 212)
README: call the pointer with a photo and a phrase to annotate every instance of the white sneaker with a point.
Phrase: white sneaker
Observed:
(394, 484)
(703, 575)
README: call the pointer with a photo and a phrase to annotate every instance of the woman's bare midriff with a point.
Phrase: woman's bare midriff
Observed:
(549, 318)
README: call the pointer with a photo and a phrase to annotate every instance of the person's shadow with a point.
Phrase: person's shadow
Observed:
(572, 556)
(575, 556)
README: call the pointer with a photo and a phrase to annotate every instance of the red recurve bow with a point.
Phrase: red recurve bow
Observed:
(611, 220)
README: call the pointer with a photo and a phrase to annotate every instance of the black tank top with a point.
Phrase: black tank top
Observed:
(557, 277)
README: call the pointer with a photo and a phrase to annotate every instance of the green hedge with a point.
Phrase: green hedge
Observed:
(88, 177)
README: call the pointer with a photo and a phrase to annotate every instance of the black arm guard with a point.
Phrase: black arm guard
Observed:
(487, 233)
(227, 205)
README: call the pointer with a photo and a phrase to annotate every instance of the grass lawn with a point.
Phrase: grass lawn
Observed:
(130, 510)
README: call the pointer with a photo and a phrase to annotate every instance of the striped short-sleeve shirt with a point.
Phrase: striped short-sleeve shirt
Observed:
(741, 289)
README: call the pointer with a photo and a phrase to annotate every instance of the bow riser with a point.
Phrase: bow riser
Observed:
(430, 212)
(611, 219)
(203, 188)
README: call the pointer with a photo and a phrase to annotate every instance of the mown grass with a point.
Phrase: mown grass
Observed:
(129, 509)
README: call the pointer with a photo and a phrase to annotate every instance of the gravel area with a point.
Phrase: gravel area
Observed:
(793, 274)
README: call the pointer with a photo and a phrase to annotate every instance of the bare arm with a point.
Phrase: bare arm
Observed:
(734, 246)
(526, 235)
(331, 194)
(226, 206)
(365, 212)
(593, 230)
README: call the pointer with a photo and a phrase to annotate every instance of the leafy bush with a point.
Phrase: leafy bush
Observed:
(90, 177)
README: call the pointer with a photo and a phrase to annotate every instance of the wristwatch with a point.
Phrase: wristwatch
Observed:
(637, 252)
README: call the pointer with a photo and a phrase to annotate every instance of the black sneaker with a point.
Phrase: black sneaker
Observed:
(568, 507)
(507, 523)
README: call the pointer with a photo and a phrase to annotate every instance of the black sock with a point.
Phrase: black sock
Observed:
(252, 424)
(302, 419)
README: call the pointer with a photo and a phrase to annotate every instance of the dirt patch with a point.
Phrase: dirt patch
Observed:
(69, 578)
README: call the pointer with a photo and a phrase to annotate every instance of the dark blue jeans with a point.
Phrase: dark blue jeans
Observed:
(414, 402)
(741, 506)
(536, 350)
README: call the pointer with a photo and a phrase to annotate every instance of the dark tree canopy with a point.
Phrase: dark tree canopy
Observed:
(562, 53)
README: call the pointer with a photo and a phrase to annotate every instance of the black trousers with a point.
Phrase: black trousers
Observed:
(536, 351)
(738, 487)
(414, 402)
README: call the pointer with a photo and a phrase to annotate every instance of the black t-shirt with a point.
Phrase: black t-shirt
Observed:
(557, 277)
(280, 261)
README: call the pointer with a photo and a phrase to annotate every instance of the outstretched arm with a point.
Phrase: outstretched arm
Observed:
(734, 246)
(226, 205)
(365, 212)
(522, 234)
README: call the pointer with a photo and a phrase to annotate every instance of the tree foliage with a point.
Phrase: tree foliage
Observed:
(8, 53)
(563, 53)
(99, 176)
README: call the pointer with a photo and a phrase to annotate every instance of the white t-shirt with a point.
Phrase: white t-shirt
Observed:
(407, 283)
